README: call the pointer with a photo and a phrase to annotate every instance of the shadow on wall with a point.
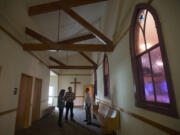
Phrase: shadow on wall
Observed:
(113, 101)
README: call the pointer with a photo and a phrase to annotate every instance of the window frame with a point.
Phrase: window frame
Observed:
(163, 108)
(106, 90)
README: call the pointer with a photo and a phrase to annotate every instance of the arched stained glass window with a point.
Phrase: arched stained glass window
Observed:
(106, 77)
(154, 89)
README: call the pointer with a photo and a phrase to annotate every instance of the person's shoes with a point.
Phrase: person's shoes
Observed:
(60, 125)
(89, 123)
(85, 120)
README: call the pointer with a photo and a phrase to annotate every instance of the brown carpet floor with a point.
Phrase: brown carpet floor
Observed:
(48, 126)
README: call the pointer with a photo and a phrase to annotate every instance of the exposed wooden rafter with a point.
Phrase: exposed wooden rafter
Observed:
(56, 61)
(85, 56)
(88, 26)
(72, 67)
(50, 45)
(78, 39)
(53, 6)
(69, 47)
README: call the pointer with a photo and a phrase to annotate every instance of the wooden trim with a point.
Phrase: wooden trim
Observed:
(78, 106)
(50, 45)
(76, 96)
(8, 111)
(57, 61)
(21, 44)
(67, 46)
(54, 96)
(86, 57)
(79, 96)
(146, 120)
(152, 123)
(105, 102)
(75, 74)
(72, 67)
(78, 39)
(28, 104)
(53, 6)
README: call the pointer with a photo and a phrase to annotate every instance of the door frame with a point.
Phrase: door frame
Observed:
(39, 99)
(28, 107)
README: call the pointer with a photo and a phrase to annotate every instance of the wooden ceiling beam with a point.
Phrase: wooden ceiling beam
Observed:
(56, 61)
(88, 26)
(69, 47)
(78, 39)
(53, 6)
(72, 67)
(85, 56)
(50, 45)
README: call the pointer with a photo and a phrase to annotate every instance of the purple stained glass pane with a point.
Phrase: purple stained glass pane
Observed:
(159, 76)
(147, 78)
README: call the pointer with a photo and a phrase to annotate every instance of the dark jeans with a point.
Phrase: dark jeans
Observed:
(60, 116)
(69, 105)
(88, 113)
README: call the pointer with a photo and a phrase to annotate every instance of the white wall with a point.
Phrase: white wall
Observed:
(121, 78)
(14, 62)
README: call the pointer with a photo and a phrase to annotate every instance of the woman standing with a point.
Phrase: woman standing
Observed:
(61, 105)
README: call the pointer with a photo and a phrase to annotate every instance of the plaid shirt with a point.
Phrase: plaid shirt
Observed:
(70, 96)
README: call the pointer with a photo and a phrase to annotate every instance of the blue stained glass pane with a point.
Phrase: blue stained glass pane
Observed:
(141, 17)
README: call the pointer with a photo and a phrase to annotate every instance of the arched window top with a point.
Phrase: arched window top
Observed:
(146, 31)
(154, 90)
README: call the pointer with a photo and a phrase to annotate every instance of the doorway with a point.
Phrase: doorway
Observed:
(36, 100)
(24, 102)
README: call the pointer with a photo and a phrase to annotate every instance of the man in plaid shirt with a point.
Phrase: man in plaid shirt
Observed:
(69, 98)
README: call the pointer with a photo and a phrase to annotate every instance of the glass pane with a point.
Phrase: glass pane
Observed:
(159, 76)
(147, 78)
(141, 17)
(139, 40)
(51, 90)
(151, 31)
(50, 100)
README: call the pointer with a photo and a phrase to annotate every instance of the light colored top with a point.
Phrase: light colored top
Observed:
(88, 99)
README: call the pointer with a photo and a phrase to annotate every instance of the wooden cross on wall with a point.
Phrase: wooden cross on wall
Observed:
(75, 83)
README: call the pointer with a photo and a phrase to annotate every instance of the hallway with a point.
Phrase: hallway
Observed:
(48, 126)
